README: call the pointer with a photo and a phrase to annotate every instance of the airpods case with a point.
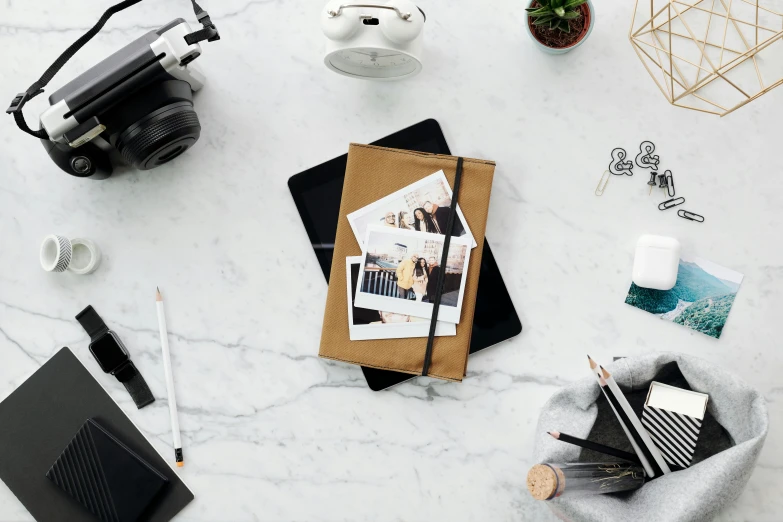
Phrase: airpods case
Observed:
(656, 262)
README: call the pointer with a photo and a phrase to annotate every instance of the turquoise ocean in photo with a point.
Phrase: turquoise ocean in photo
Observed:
(699, 300)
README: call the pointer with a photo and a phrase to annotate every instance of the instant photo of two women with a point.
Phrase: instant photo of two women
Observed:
(402, 243)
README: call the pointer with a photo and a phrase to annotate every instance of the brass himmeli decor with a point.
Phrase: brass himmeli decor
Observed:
(713, 56)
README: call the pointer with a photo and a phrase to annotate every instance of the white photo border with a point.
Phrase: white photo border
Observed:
(366, 332)
(436, 176)
(449, 314)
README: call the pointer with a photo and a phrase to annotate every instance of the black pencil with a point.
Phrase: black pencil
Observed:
(600, 448)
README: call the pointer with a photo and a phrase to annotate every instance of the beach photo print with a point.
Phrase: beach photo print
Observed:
(400, 269)
(701, 299)
(424, 206)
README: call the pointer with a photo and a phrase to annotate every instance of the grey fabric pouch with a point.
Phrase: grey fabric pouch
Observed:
(728, 451)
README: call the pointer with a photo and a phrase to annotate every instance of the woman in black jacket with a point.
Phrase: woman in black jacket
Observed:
(432, 283)
(422, 221)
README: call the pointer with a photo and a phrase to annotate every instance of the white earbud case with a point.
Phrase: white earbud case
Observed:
(656, 262)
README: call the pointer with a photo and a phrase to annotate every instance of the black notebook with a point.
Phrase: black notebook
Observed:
(39, 421)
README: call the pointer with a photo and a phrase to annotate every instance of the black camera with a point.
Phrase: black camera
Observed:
(135, 107)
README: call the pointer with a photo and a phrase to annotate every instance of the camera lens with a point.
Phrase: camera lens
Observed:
(160, 136)
(156, 125)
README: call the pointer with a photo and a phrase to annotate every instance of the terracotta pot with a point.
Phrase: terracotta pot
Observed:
(588, 11)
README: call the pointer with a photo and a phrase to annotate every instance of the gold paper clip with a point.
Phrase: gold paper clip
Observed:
(603, 182)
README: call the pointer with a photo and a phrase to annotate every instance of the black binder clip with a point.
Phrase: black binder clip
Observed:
(690, 216)
(670, 203)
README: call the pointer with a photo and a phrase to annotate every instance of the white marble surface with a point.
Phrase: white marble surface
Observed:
(271, 431)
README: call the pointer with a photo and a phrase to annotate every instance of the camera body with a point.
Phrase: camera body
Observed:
(135, 107)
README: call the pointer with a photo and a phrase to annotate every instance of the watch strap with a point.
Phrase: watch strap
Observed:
(92, 323)
(137, 387)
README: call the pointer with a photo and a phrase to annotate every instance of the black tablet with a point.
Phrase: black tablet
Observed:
(317, 193)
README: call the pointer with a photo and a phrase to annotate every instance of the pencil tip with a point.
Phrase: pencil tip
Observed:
(158, 297)
(180, 464)
(605, 373)
(554, 434)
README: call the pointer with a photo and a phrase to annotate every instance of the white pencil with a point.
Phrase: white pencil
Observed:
(602, 383)
(164, 343)
(635, 421)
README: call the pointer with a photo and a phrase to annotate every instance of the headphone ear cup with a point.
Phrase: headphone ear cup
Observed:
(395, 28)
(340, 27)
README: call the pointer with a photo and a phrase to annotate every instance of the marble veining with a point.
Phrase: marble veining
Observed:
(273, 433)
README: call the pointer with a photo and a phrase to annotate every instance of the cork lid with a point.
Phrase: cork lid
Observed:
(542, 482)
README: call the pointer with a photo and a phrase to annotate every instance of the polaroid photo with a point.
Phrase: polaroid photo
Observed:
(424, 206)
(701, 298)
(366, 324)
(400, 269)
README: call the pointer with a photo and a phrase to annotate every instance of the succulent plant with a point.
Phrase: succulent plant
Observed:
(555, 13)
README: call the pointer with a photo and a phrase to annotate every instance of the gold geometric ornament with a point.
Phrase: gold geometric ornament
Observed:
(711, 56)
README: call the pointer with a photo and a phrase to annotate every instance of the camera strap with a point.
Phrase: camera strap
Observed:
(208, 32)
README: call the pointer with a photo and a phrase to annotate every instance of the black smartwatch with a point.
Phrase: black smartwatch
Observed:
(113, 357)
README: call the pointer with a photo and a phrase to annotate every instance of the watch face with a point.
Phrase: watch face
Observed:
(371, 62)
(109, 351)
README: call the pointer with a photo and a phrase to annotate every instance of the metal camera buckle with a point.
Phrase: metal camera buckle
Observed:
(84, 132)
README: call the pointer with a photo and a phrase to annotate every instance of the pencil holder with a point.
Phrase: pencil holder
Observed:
(732, 435)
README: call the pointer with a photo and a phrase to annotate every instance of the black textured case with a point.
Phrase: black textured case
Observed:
(105, 476)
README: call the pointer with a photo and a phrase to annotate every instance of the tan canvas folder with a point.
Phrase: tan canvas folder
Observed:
(372, 173)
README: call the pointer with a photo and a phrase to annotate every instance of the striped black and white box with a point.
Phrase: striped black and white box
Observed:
(672, 417)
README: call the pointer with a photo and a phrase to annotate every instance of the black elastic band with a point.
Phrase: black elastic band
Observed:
(444, 258)
(209, 32)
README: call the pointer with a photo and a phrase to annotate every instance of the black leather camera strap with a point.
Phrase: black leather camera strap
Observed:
(209, 32)
(444, 258)
(127, 373)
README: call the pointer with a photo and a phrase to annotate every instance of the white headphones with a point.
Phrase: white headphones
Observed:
(373, 41)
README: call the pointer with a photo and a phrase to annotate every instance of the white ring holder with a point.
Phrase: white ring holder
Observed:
(80, 256)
